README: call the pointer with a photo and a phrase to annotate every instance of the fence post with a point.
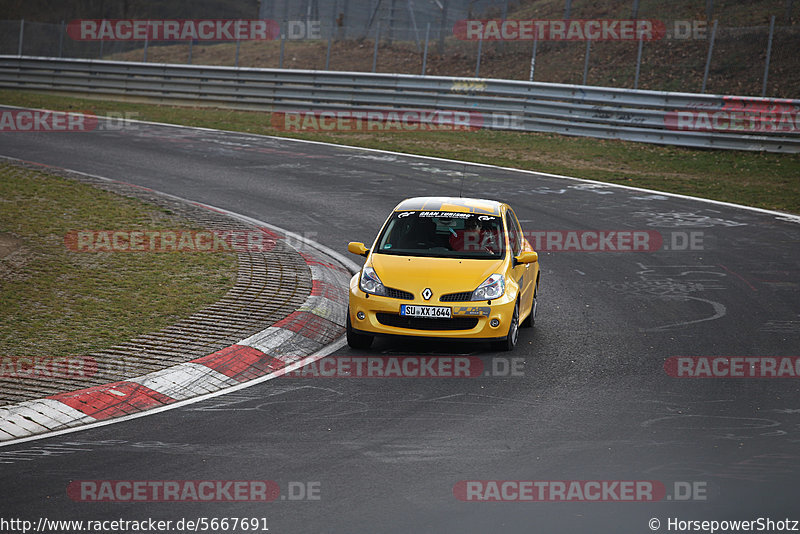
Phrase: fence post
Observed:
(61, 40)
(328, 52)
(330, 36)
(21, 36)
(146, 40)
(635, 10)
(390, 35)
(503, 17)
(586, 60)
(375, 51)
(478, 64)
(283, 46)
(413, 23)
(191, 42)
(709, 9)
(442, 25)
(710, 51)
(345, 18)
(567, 9)
(638, 62)
(425, 55)
(101, 48)
(236, 62)
(788, 12)
(533, 56)
(769, 53)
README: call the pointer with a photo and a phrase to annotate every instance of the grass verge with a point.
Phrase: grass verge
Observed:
(55, 302)
(762, 180)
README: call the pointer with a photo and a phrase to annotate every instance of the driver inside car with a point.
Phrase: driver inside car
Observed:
(472, 238)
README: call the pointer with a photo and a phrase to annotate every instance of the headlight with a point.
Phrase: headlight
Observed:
(370, 283)
(492, 288)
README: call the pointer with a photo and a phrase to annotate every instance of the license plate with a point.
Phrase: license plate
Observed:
(408, 310)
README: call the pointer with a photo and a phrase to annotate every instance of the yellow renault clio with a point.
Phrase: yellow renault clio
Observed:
(457, 268)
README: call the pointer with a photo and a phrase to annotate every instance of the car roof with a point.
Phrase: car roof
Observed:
(454, 204)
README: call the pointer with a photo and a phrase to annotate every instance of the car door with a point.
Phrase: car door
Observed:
(521, 272)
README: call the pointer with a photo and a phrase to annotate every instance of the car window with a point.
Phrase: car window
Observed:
(442, 234)
(514, 237)
(518, 226)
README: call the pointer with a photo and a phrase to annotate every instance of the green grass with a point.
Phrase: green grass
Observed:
(763, 180)
(55, 302)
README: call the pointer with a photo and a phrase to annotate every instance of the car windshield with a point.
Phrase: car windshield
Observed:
(443, 234)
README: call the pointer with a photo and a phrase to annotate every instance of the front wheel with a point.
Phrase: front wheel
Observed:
(510, 340)
(356, 340)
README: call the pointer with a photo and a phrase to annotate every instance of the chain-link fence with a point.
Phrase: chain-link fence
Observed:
(417, 37)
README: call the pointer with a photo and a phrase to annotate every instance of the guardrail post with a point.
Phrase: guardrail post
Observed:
(638, 62)
(425, 55)
(21, 35)
(238, 43)
(101, 48)
(769, 53)
(375, 51)
(586, 60)
(533, 56)
(61, 40)
(478, 63)
(710, 51)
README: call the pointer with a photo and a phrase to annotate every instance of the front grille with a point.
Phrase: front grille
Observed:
(456, 297)
(433, 323)
(393, 293)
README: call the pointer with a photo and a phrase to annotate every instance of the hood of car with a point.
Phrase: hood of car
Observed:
(442, 275)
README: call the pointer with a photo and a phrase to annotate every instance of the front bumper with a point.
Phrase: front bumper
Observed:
(470, 320)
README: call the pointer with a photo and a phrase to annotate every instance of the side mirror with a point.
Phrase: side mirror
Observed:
(527, 257)
(360, 249)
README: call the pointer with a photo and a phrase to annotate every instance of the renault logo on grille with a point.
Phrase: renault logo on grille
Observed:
(426, 293)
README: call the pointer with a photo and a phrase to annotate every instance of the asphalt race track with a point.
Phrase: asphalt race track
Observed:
(592, 400)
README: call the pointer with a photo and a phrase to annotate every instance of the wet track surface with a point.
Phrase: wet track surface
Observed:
(592, 400)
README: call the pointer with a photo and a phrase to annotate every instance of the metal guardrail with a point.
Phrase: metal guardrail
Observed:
(729, 122)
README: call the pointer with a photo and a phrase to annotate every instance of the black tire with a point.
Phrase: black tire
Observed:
(510, 340)
(530, 320)
(356, 340)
